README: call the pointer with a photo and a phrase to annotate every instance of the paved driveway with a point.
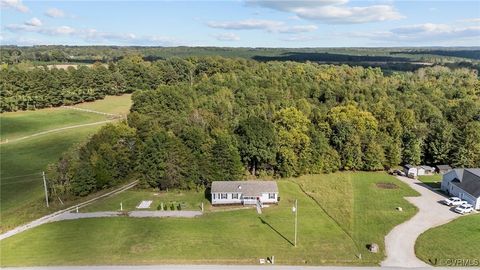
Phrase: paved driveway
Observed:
(400, 242)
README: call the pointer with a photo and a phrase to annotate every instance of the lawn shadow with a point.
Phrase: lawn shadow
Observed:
(275, 230)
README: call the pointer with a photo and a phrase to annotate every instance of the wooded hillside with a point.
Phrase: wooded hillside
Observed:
(199, 120)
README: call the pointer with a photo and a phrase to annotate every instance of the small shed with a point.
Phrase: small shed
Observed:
(410, 170)
(443, 168)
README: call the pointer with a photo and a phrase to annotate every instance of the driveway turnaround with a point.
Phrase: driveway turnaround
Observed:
(400, 242)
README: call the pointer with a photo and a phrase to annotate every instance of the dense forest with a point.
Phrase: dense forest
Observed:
(202, 119)
(389, 59)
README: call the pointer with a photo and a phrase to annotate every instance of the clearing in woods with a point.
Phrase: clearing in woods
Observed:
(23, 161)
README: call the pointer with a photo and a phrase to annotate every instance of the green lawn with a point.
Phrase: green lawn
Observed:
(358, 212)
(239, 237)
(21, 162)
(433, 181)
(21, 166)
(459, 239)
(364, 210)
(15, 125)
(110, 104)
(189, 200)
(19, 124)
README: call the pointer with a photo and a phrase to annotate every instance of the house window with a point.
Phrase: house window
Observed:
(223, 195)
(234, 195)
(271, 195)
(214, 197)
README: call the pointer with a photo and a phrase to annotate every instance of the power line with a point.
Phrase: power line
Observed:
(23, 181)
(18, 176)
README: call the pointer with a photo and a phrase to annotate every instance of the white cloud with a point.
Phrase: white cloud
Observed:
(227, 37)
(471, 20)
(332, 11)
(15, 4)
(267, 25)
(299, 38)
(34, 22)
(94, 35)
(246, 24)
(55, 13)
(425, 33)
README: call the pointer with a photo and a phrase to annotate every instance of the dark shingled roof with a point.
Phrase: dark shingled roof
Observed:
(468, 180)
(443, 167)
(248, 188)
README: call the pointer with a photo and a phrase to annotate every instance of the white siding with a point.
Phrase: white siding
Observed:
(217, 199)
(446, 179)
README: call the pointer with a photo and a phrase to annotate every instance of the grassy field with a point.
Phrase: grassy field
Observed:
(240, 236)
(22, 162)
(364, 204)
(358, 212)
(433, 181)
(19, 124)
(189, 200)
(459, 239)
(110, 104)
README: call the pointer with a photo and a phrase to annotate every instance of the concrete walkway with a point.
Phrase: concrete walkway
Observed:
(400, 242)
(138, 214)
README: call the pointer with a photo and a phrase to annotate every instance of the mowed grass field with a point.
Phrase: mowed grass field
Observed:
(335, 236)
(433, 181)
(19, 124)
(130, 199)
(459, 239)
(363, 204)
(21, 162)
(240, 237)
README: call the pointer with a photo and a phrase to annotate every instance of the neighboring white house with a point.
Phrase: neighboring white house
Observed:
(464, 184)
(244, 192)
(427, 169)
(410, 170)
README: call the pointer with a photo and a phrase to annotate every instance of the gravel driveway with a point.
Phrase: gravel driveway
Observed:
(400, 242)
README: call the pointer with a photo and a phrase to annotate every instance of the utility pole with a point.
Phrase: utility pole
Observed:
(45, 187)
(295, 210)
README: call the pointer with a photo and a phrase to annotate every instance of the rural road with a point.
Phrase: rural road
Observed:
(400, 242)
(226, 267)
(51, 217)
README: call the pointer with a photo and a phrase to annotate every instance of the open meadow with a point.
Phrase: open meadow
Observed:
(22, 162)
(362, 203)
(436, 247)
(238, 236)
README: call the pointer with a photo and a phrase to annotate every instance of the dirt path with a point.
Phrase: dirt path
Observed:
(400, 242)
(53, 216)
(56, 130)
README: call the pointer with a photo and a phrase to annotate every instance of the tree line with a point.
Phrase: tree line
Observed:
(199, 120)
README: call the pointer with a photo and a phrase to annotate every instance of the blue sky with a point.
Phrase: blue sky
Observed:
(242, 23)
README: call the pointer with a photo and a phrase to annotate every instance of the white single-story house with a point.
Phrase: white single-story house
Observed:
(410, 170)
(464, 184)
(244, 192)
